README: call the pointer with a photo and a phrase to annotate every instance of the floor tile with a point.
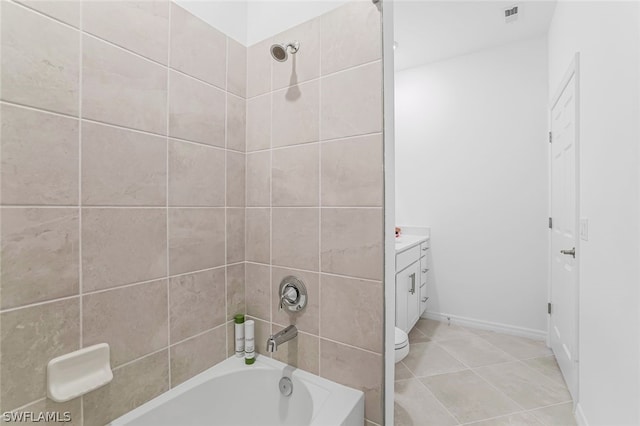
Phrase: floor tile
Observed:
(517, 419)
(475, 352)
(428, 359)
(417, 336)
(416, 405)
(468, 397)
(402, 372)
(524, 385)
(556, 415)
(437, 330)
(519, 347)
(548, 366)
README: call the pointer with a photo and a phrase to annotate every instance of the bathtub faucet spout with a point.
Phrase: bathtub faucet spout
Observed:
(281, 337)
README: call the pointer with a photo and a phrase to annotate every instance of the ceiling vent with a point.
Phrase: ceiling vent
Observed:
(511, 14)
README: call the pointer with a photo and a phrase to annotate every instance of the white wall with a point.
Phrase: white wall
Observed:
(230, 17)
(266, 18)
(606, 35)
(249, 22)
(471, 163)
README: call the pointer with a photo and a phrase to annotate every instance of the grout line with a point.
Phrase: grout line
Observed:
(320, 196)
(80, 269)
(226, 196)
(314, 142)
(320, 77)
(424, 385)
(167, 194)
(97, 207)
(201, 333)
(118, 287)
(317, 272)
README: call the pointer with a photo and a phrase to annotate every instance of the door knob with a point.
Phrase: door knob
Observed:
(571, 252)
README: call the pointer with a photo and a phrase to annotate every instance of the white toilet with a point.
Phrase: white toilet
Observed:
(402, 345)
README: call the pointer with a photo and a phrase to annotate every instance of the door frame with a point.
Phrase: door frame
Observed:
(572, 71)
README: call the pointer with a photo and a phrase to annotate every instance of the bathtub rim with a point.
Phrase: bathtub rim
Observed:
(347, 401)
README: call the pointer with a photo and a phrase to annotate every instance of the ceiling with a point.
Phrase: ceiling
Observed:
(430, 31)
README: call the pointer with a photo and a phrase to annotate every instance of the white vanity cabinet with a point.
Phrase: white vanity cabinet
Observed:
(412, 272)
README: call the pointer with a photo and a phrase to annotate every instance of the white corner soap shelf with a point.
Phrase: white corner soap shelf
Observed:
(78, 372)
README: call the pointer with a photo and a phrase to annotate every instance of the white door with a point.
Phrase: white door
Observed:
(563, 330)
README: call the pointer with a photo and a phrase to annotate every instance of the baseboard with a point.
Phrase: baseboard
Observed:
(579, 415)
(488, 325)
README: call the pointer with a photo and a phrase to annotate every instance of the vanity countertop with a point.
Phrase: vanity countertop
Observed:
(407, 241)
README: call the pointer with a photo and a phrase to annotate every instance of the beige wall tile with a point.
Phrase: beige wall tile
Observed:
(39, 66)
(197, 303)
(47, 405)
(197, 354)
(121, 88)
(236, 123)
(356, 368)
(352, 242)
(230, 339)
(308, 320)
(42, 332)
(122, 167)
(259, 68)
(123, 246)
(262, 333)
(259, 179)
(351, 35)
(196, 175)
(197, 48)
(352, 102)
(39, 255)
(302, 352)
(259, 123)
(296, 176)
(295, 238)
(140, 26)
(352, 312)
(235, 234)
(235, 290)
(132, 385)
(39, 163)
(132, 320)
(65, 11)
(236, 176)
(258, 291)
(305, 64)
(295, 114)
(258, 235)
(237, 68)
(196, 111)
(196, 239)
(352, 172)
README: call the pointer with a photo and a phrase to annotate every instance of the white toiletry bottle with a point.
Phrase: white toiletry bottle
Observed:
(249, 343)
(239, 324)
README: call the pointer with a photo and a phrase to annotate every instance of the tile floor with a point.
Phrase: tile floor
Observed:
(455, 375)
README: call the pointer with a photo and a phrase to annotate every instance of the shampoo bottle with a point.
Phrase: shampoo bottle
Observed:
(239, 324)
(249, 343)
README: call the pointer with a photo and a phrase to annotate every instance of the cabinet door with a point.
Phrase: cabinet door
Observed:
(413, 295)
(402, 289)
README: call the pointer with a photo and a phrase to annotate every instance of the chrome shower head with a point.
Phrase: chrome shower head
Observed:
(280, 52)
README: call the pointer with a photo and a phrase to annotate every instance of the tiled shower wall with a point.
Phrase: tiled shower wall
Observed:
(315, 196)
(123, 169)
(123, 196)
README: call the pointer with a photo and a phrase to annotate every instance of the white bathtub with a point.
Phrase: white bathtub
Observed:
(232, 393)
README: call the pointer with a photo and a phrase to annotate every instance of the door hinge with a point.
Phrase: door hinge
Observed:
(550, 137)
(550, 223)
(549, 308)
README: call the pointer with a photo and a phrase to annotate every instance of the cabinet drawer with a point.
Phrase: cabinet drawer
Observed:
(407, 257)
(424, 248)
(424, 297)
(424, 270)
